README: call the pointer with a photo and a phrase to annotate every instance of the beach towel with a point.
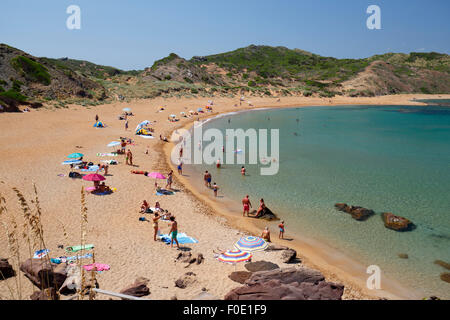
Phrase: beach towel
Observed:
(113, 154)
(70, 259)
(91, 169)
(78, 248)
(147, 137)
(164, 193)
(181, 237)
(40, 254)
(97, 266)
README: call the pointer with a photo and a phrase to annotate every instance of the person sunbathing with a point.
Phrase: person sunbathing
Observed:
(158, 206)
(144, 206)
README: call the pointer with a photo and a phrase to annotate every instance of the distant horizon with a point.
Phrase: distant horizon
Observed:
(199, 55)
(131, 36)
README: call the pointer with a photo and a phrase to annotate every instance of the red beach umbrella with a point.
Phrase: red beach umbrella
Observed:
(94, 177)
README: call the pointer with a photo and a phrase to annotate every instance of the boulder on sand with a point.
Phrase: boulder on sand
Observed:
(46, 294)
(289, 255)
(261, 266)
(138, 289)
(267, 214)
(357, 213)
(240, 276)
(276, 247)
(186, 280)
(6, 270)
(397, 223)
(44, 274)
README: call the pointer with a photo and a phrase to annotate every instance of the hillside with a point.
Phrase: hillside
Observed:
(253, 70)
(26, 79)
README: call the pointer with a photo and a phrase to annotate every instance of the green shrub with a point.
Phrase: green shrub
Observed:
(245, 76)
(194, 91)
(168, 77)
(14, 95)
(31, 69)
(251, 83)
(188, 80)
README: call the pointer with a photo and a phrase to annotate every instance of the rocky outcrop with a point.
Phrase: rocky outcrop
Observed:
(44, 274)
(186, 280)
(276, 247)
(286, 276)
(240, 276)
(138, 289)
(276, 290)
(357, 213)
(445, 276)
(260, 266)
(397, 223)
(403, 256)
(443, 264)
(6, 270)
(187, 257)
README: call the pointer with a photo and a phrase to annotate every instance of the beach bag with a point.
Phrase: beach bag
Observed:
(142, 219)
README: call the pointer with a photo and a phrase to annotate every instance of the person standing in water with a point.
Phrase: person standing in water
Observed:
(207, 178)
(218, 164)
(243, 170)
(173, 232)
(180, 168)
(215, 188)
(247, 205)
(281, 226)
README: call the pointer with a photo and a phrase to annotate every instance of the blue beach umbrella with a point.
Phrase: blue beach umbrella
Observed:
(75, 155)
(251, 244)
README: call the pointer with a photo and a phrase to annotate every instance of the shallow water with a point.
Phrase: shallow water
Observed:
(389, 159)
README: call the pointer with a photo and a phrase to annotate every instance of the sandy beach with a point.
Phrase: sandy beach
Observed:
(33, 146)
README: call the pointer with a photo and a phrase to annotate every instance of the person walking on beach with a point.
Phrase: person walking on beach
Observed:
(169, 180)
(215, 188)
(155, 225)
(247, 205)
(129, 158)
(180, 168)
(266, 234)
(173, 231)
(281, 226)
(126, 125)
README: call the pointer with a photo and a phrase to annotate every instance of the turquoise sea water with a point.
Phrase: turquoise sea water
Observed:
(389, 159)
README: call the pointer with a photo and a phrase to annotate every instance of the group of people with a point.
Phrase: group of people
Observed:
(158, 214)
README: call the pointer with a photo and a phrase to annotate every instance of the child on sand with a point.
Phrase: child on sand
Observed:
(281, 226)
(215, 188)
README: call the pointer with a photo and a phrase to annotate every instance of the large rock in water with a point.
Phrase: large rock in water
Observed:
(44, 274)
(397, 223)
(276, 290)
(286, 276)
(267, 214)
(138, 289)
(260, 266)
(357, 213)
(6, 270)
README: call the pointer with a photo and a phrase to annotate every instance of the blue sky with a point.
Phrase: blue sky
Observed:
(133, 34)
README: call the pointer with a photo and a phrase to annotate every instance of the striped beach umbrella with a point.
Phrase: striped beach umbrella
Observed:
(251, 244)
(234, 256)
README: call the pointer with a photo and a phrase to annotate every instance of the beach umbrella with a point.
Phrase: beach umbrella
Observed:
(126, 109)
(94, 177)
(156, 175)
(75, 155)
(251, 244)
(68, 162)
(234, 256)
(114, 144)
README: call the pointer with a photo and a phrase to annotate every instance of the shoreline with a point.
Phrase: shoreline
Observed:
(313, 253)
